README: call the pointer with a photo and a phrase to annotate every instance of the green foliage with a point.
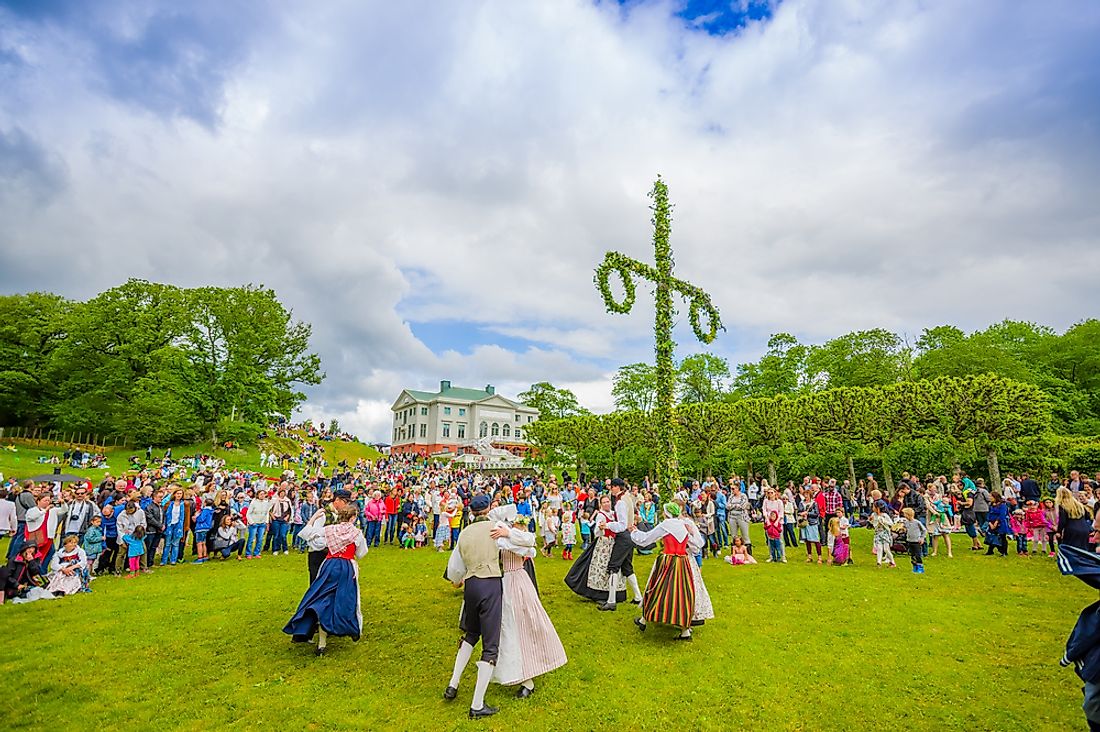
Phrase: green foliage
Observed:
(634, 388)
(666, 468)
(551, 401)
(150, 362)
(702, 378)
(782, 370)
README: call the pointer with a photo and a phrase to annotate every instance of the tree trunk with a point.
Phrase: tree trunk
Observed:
(994, 469)
(773, 481)
(615, 466)
(852, 473)
(888, 477)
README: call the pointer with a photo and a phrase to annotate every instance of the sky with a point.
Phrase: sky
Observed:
(431, 185)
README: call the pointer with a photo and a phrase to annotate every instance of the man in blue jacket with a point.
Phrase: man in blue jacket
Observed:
(1083, 644)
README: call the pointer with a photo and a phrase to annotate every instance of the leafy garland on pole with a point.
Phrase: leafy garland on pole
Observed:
(667, 466)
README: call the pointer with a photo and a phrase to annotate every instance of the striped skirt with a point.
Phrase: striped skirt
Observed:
(670, 592)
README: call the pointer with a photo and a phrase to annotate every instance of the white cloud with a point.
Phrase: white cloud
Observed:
(844, 165)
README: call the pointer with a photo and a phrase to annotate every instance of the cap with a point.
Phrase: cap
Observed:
(343, 493)
(479, 503)
(619, 482)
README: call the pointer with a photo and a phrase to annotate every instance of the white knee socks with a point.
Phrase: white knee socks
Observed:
(465, 650)
(322, 638)
(686, 633)
(528, 684)
(613, 587)
(484, 673)
(632, 580)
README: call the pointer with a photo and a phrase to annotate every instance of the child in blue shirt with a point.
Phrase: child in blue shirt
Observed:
(93, 542)
(204, 521)
(586, 530)
(135, 549)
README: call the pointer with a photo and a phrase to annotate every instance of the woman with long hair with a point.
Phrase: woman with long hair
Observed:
(1074, 520)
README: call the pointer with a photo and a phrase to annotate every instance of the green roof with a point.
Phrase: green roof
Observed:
(458, 393)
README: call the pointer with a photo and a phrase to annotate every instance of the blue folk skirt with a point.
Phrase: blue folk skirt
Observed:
(331, 602)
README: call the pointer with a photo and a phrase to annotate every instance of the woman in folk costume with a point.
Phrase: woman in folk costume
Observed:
(588, 577)
(670, 594)
(69, 569)
(331, 604)
(529, 645)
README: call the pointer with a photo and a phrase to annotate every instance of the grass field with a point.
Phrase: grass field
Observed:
(23, 462)
(971, 645)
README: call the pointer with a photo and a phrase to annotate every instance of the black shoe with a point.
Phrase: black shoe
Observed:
(524, 692)
(640, 624)
(450, 693)
(697, 623)
(320, 650)
(485, 711)
(606, 606)
(688, 638)
(635, 602)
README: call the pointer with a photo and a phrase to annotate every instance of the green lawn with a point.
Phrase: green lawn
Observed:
(23, 462)
(971, 645)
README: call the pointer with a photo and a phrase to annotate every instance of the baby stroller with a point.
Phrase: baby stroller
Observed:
(898, 545)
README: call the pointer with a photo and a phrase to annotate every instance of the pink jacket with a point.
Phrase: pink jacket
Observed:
(375, 510)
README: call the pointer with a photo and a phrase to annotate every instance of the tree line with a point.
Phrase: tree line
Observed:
(762, 414)
(153, 363)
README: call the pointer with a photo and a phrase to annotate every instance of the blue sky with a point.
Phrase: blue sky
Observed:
(431, 186)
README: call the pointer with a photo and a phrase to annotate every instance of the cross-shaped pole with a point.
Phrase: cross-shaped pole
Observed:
(699, 304)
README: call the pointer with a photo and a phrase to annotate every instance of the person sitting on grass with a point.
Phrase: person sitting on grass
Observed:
(69, 569)
(22, 579)
(739, 553)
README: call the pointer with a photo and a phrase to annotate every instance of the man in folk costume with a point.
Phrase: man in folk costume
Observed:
(670, 594)
(529, 644)
(318, 546)
(475, 566)
(621, 565)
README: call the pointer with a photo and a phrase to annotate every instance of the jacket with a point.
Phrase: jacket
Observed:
(154, 518)
(1083, 645)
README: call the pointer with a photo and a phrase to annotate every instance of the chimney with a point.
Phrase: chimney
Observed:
(444, 385)
(490, 389)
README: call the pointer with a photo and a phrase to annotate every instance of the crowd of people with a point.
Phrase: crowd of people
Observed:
(199, 510)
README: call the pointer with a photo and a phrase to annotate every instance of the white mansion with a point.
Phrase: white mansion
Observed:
(453, 419)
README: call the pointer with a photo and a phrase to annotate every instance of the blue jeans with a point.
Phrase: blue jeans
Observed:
(723, 529)
(927, 538)
(295, 542)
(391, 528)
(255, 541)
(374, 532)
(775, 547)
(278, 532)
(172, 537)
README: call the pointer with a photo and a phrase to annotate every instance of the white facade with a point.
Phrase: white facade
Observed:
(450, 420)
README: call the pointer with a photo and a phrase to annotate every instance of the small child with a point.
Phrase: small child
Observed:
(883, 527)
(1051, 515)
(915, 534)
(568, 530)
(739, 553)
(69, 569)
(773, 529)
(406, 537)
(421, 533)
(204, 521)
(586, 530)
(832, 531)
(549, 531)
(93, 543)
(1036, 524)
(135, 549)
(842, 548)
(1019, 530)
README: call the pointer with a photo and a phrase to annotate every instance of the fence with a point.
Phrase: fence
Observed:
(37, 437)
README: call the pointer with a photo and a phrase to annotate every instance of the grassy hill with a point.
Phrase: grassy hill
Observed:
(19, 458)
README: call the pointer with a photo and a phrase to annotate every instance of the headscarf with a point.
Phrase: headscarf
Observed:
(338, 536)
(671, 510)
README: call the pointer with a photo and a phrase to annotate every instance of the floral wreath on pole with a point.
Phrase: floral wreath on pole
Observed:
(699, 305)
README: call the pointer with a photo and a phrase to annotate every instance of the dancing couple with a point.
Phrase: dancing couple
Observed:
(606, 567)
(501, 607)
